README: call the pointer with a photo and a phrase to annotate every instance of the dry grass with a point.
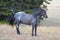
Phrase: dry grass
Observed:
(44, 33)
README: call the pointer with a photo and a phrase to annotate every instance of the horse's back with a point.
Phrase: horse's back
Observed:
(18, 15)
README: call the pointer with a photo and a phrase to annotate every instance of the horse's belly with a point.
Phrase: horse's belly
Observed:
(27, 19)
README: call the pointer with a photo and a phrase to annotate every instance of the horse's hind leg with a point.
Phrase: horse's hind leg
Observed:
(17, 27)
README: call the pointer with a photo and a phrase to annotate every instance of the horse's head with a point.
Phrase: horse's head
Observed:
(43, 13)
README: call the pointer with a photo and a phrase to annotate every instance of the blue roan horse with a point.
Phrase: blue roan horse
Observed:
(29, 19)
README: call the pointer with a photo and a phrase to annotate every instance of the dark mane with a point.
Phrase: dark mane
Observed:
(38, 12)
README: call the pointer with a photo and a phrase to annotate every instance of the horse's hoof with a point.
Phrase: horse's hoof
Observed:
(35, 35)
(19, 33)
(32, 35)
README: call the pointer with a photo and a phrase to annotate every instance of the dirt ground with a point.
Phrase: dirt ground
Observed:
(48, 29)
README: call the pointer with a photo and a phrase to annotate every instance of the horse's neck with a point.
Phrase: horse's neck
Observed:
(36, 13)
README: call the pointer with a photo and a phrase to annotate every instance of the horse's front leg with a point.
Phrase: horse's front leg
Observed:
(32, 29)
(17, 28)
(36, 30)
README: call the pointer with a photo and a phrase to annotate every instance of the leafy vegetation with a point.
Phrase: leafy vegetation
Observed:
(20, 5)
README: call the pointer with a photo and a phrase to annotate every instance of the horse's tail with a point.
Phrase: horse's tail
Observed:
(11, 20)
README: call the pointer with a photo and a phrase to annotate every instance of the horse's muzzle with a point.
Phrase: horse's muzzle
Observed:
(46, 17)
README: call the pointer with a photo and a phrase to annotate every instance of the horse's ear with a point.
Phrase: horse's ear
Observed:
(44, 7)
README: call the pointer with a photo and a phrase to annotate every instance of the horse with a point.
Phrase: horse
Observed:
(28, 19)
